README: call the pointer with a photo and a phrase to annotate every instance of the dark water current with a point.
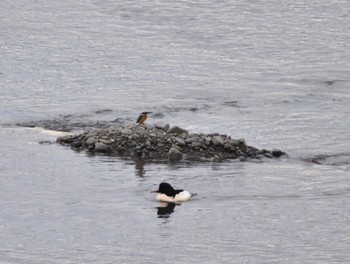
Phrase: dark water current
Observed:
(273, 72)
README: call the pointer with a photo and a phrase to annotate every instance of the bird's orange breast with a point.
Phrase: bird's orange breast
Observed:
(142, 119)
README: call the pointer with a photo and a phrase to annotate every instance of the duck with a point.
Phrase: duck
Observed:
(166, 193)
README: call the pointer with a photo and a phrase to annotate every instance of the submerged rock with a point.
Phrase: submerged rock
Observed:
(161, 142)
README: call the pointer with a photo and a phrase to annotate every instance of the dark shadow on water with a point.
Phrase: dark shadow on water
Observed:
(332, 159)
(164, 210)
(140, 167)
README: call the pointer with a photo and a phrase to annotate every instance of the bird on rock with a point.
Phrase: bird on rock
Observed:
(142, 118)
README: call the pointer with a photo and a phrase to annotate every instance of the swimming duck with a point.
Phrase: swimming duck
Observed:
(166, 193)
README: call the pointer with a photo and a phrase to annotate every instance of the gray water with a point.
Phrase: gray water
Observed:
(273, 72)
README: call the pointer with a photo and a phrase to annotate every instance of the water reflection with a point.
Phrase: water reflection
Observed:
(164, 210)
(140, 167)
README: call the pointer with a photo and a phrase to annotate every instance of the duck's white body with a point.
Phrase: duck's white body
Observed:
(180, 197)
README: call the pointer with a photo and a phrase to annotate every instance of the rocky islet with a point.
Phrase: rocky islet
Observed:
(162, 141)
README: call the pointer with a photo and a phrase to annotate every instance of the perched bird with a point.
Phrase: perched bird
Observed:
(166, 193)
(142, 118)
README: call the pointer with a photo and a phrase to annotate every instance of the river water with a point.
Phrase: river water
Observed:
(273, 72)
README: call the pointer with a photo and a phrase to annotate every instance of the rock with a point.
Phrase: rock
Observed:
(135, 136)
(162, 126)
(76, 145)
(233, 142)
(180, 141)
(241, 141)
(268, 155)
(207, 139)
(174, 154)
(91, 140)
(228, 147)
(101, 147)
(111, 130)
(277, 153)
(141, 132)
(126, 131)
(93, 133)
(160, 145)
(65, 139)
(189, 140)
(177, 130)
(218, 141)
(196, 144)
(153, 135)
(104, 141)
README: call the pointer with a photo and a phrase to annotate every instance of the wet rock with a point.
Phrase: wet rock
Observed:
(177, 130)
(278, 153)
(174, 154)
(101, 147)
(65, 139)
(76, 145)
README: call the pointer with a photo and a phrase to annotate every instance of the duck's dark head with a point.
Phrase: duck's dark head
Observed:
(167, 189)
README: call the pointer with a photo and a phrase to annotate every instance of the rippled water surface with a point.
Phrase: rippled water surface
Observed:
(273, 72)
